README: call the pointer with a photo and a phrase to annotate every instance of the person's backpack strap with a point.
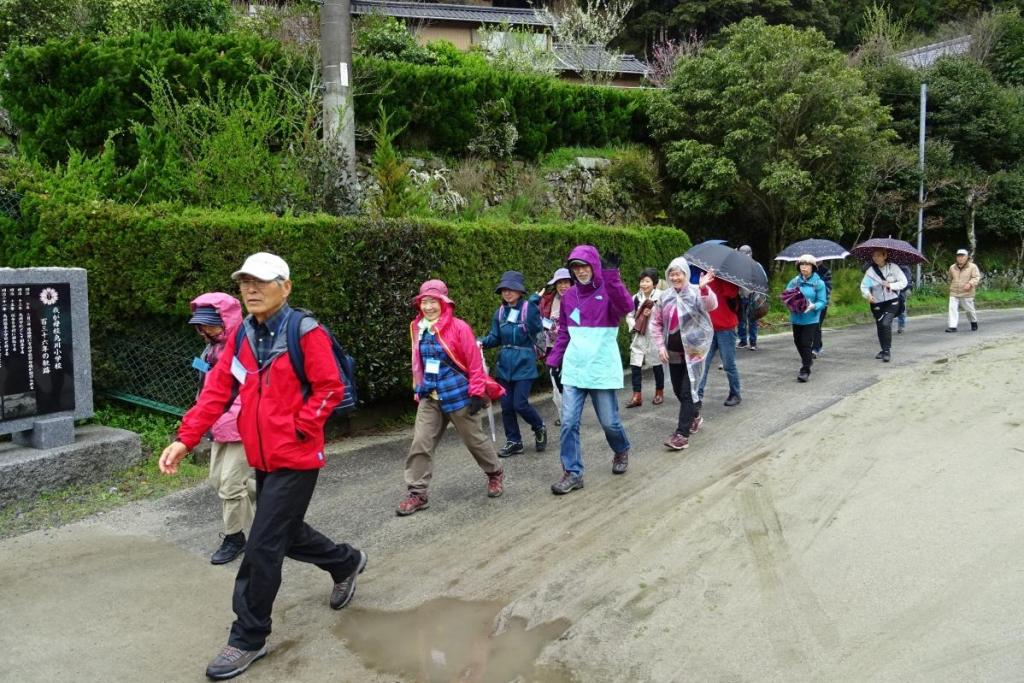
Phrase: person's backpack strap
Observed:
(293, 333)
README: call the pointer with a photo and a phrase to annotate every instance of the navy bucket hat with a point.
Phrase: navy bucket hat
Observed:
(511, 279)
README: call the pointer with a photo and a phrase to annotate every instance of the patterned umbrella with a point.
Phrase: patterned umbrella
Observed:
(730, 265)
(823, 250)
(901, 253)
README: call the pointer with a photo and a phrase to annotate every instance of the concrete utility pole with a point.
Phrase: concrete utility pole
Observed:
(336, 65)
(920, 189)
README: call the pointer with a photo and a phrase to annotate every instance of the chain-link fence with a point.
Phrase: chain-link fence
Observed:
(10, 204)
(151, 366)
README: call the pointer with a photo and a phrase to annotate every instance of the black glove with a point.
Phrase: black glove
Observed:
(556, 373)
(611, 261)
(475, 404)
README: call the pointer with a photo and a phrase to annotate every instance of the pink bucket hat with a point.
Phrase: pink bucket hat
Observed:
(435, 288)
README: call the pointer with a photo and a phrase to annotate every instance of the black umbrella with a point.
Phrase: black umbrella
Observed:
(901, 253)
(730, 265)
(823, 250)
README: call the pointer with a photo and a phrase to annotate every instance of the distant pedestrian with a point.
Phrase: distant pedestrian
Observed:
(964, 277)
(282, 426)
(901, 315)
(213, 315)
(805, 322)
(515, 327)
(550, 307)
(682, 331)
(724, 318)
(881, 286)
(588, 352)
(641, 351)
(451, 386)
(748, 322)
(825, 273)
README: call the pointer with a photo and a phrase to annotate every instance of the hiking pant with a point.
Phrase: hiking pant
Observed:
(431, 422)
(803, 337)
(724, 342)
(954, 309)
(816, 344)
(516, 401)
(680, 377)
(606, 405)
(747, 328)
(885, 312)
(636, 374)
(232, 479)
(278, 531)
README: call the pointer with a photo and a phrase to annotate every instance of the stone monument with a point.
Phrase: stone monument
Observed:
(46, 384)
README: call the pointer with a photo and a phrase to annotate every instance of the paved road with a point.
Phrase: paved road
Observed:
(723, 562)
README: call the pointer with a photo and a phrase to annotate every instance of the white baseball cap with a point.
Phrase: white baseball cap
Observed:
(263, 266)
(962, 252)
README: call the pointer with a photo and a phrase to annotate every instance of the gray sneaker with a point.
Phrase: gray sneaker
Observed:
(343, 591)
(231, 661)
(568, 482)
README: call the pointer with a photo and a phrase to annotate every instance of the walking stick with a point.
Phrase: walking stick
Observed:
(490, 404)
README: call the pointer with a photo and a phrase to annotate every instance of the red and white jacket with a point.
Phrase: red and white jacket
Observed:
(458, 341)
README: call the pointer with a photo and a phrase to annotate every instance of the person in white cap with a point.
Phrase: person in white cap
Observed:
(964, 277)
(281, 423)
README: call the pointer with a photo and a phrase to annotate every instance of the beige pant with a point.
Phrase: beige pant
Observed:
(232, 479)
(431, 422)
(954, 309)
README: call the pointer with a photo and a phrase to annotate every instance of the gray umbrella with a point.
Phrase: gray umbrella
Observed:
(730, 265)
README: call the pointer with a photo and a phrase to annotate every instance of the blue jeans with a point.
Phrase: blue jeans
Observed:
(606, 405)
(723, 342)
(517, 400)
(747, 320)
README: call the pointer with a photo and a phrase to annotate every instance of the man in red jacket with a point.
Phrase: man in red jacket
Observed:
(281, 424)
(724, 319)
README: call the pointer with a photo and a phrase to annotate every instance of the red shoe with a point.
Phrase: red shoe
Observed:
(678, 442)
(412, 503)
(495, 483)
(695, 424)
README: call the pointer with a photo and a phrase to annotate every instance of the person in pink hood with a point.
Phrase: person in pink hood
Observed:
(213, 315)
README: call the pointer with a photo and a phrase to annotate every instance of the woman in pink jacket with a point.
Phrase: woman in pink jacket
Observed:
(214, 316)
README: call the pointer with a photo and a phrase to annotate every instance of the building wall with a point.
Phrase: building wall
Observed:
(460, 36)
(624, 81)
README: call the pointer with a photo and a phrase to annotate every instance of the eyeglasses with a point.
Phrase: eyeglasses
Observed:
(252, 283)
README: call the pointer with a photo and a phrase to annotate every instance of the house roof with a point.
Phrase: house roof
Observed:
(430, 11)
(925, 56)
(596, 58)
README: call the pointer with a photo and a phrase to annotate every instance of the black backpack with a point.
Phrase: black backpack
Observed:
(346, 364)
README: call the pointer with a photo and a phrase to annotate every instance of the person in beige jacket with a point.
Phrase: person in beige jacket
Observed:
(964, 277)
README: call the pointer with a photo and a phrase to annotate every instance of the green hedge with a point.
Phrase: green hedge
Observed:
(72, 93)
(441, 104)
(146, 263)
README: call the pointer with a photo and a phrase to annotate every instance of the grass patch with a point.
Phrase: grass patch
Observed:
(138, 482)
(558, 159)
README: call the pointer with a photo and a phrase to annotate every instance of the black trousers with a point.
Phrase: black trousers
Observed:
(278, 530)
(803, 337)
(816, 345)
(637, 374)
(885, 312)
(681, 388)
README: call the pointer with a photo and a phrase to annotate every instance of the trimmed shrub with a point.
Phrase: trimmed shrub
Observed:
(146, 263)
(441, 105)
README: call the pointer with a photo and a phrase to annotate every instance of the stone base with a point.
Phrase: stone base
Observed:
(96, 453)
(47, 432)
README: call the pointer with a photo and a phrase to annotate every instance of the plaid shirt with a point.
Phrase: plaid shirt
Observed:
(449, 386)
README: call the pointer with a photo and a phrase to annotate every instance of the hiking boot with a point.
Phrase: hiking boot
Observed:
(880, 355)
(815, 354)
(636, 401)
(231, 661)
(659, 397)
(974, 327)
(620, 463)
(677, 442)
(950, 329)
(568, 482)
(753, 346)
(345, 590)
(803, 375)
(886, 357)
(510, 448)
(741, 344)
(412, 503)
(540, 439)
(229, 549)
(732, 400)
(495, 483)
(899, 330)
(695, 424)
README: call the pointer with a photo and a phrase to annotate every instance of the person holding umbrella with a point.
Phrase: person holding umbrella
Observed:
(805, 322)
(821, 250)
(881, 286)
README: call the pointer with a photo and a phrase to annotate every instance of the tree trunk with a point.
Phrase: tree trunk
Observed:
(972, 240)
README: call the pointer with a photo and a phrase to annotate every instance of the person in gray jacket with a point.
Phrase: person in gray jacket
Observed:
(881, 286)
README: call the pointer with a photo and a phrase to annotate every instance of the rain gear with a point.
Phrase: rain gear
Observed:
(814, 290)
(517, 359)
(641, 350)
(588, 325)
(224, 430)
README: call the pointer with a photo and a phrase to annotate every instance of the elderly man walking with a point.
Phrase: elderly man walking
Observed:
(281, 424)
(964, 277)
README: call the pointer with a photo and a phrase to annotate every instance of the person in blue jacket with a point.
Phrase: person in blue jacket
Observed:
(805, 323)
(514, 328)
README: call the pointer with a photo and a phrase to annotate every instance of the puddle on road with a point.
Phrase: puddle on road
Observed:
(447, 640)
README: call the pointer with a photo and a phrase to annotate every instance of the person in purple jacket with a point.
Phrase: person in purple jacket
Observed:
(588, 353)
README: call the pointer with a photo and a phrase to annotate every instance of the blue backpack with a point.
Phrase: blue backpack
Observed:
(346, 364)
